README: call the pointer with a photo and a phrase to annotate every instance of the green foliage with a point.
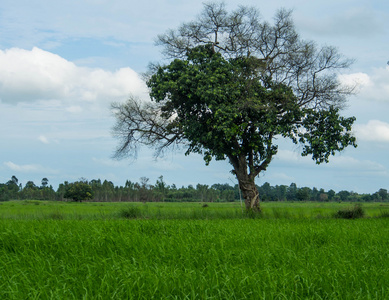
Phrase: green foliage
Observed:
(325, 132)
(78, 191)
(42, 210)
(130, 212)
(285, 258)
(355, 212)
(9, 190)
(221, 103)
(225, 108)
(106, 191)
(233, 85)
(384, 214)
(56, 215)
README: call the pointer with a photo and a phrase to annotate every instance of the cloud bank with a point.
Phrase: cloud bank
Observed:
(34, 75)
(370, 87)
(374, 131)
(29, 168)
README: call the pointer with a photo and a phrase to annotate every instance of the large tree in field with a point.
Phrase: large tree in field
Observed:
(232, 85)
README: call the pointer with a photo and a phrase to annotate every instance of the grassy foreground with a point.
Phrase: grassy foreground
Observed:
(184, 251)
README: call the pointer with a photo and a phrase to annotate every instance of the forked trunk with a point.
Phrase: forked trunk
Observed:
(250, 195)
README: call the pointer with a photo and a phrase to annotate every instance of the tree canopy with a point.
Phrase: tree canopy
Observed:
(232, 86)
(78, 191)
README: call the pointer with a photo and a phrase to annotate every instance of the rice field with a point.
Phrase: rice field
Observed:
(51, 250)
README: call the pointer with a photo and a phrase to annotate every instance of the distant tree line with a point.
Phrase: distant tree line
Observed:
(13, 190)
(144, 191)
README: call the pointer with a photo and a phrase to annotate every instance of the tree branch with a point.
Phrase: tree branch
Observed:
(140, 124)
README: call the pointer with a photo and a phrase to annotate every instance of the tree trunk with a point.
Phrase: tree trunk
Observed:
(246, 183)
(250, 194)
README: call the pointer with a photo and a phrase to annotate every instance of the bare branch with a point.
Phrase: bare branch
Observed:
(310, 71)
(139, 123)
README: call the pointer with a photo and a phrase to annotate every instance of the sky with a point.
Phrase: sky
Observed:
(62, 64)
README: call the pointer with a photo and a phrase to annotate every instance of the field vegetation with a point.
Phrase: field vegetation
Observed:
(41, 210)
(143, 191)
(68, 250)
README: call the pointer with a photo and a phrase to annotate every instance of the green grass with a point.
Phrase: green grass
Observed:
(35, 209)
(184, 251)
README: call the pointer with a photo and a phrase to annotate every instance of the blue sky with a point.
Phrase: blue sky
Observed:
(63, 62)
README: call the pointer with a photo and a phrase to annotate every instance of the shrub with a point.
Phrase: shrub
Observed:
(351, 213)
(130, 212)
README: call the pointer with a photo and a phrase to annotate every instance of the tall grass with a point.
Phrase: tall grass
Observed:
(35, 210)
(194, 259)
(152, 251)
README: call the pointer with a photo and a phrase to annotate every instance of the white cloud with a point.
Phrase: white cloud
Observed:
(29, 168)
(339, 162)
(370, 87)
(374, 130)
(350, 163)
(43, 139)
(379, 90)
(359, 80)
(20, 168)
(27, 76)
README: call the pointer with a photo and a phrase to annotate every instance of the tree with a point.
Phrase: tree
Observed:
(344, 195)
(267, 192)
(61, 191)
(291, 192)
(161, 188)
(303, 194)
(323, 197)
(107, 190)
(12, 188)
(78, 191)
(234, 84)
(281, 192)
(144, 189)
(14, 180)
(383, 194)
(3, 192)
(202, 190)
(331, 194)
(30, 191)
(44, 182)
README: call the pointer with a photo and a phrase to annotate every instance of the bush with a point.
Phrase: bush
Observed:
(130, 212)
(351, 213)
